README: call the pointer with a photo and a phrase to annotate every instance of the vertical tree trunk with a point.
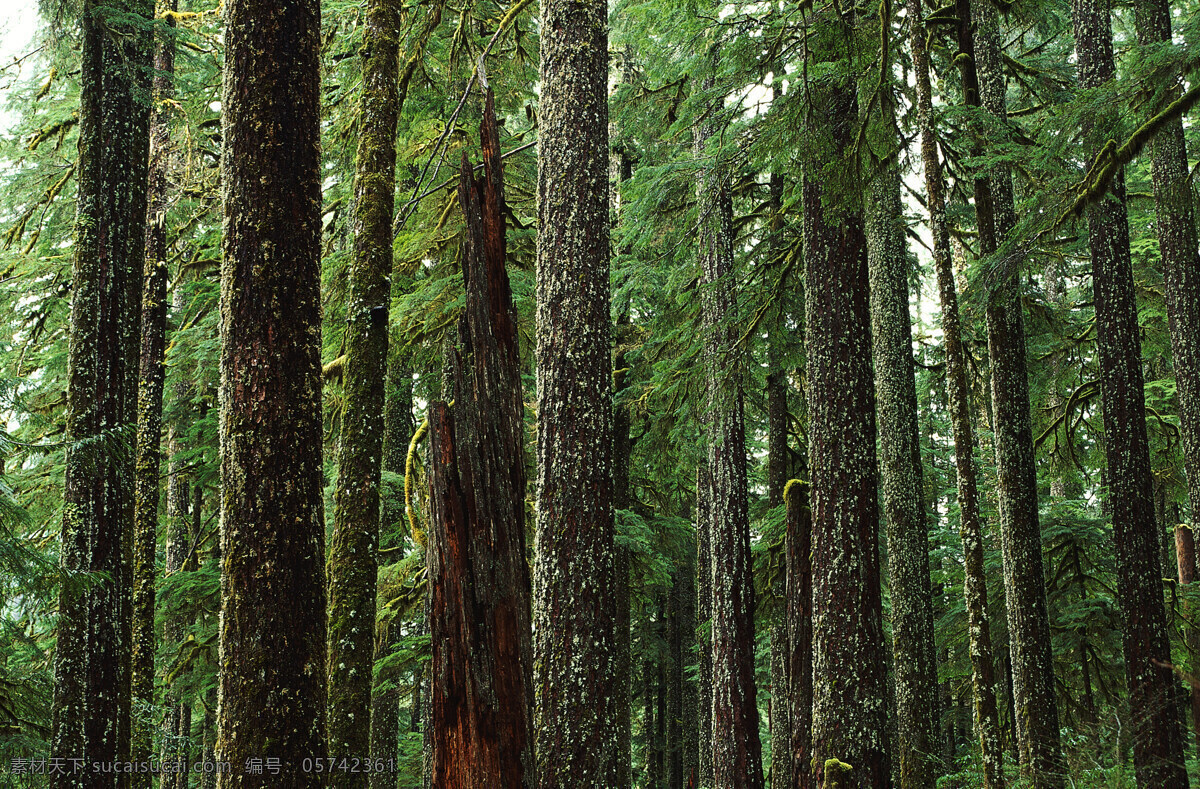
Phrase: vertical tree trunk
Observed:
(575, 609)
(689, 696)
(649, 699)
(623, 500)
(737, 755)
(1185, 557)
(397, 431)
(849, 663)
(799, 615)
(913, 649)
(482, 703)
(983, 678)
(1158, 740)
(352, 552)
(1175, 222)
(151, 378)
(91, 706)
(1021, 546)
(273, 649)
(704, 732)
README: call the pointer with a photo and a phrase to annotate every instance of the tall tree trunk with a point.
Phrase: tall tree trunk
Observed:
(737, 755)
(151, 378)
(1185, 556)
(1021, 545)
(777, 476)
(799, 615)
(623, 500)
(704, 731)
(1158, 736)
(482, 703)
(397, 431)
(689, 689)
(849, 663)
(92, 662)
(352, 566)
(273, 649)
(1175, 222)
(575, 612)
(983, 678)
(913, 649)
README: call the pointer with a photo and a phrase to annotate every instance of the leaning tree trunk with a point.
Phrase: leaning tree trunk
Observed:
(352, 567)
(737, 755)
(983, 673)
(1016, 484)
(91, 706)
(575, 611)
(1153, 701)
(273, 649)
(913, 648)
(151, 378)
(482, 703)
(1175, 222)
(849, 662)
(799, 616)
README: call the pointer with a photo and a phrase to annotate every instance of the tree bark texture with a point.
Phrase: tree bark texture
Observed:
(913, 648)
(983, 674)
(1175, 221)
(1016, 485)
(151, 379)
(1158, 735)
(352, 566)
(737, 754)
(1185, 557)
(799, 620)
(272, 673)
(482, 703)
(704, 732)
(623, 499)
(575, 608)
(91, 705)
(849, 663)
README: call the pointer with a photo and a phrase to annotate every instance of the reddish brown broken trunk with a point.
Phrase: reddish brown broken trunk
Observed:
(479, 582)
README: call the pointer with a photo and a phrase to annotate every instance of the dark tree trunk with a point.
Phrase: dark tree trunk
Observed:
(623, 499)
(482, 701)
(1021, 546)
(1185, 557)
(649, 699)
(352, 563)
(737, 755)
(800, 635)
(704, 731)
(849, 662)
(913, 649)
(151, 378)
(689, 696)
(385, 709)
(1158, 735)
(1175, 221)
(92, 662)
(575, 606)
(273, 648)
(983, 678)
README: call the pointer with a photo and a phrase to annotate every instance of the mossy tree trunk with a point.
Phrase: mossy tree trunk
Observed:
(737, 754)
(849, 662)
(575, 608)
(352, 565)
(1185, 558)
(983, 673)
(482, 702)
(1175, 223)
(91, 705)
(913, 648)
(273, 649)
(1021, 544)
(1153, 700)
(151, 379)
(799, 616)
(703, 527)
